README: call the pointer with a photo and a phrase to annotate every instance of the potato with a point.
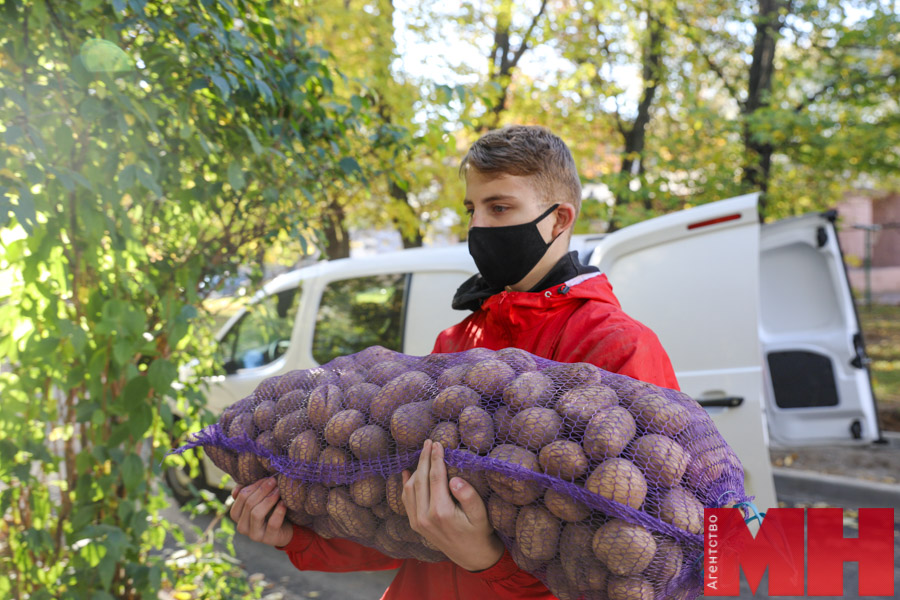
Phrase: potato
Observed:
(566, 376)
(289, 426)
(227, 417)
(316, 499)
(423, 554)
(476, 479)
(451, 401)
(411, 423)
(292, 491)
(305, 447)
(359, 522)
(579, 404)
(511, 489)
(666, 564)
(332, 465)
(628, 389)
(662, 459)
(382, 510)
(474, 355)
(398, 528)
(528, 390)
(476, 429)
(582, 568)
(339, 364)
(270, 388)
(249, 469)
(264, 416)
(223, 458)
(387, 545)
(519, 360)
(489, 377)
(558, 583)
(608, 433)
(534, 428)
(242, 426)
(383, 372)
(369, 441)
(626, 549)
(359, 397)
(342, 425)
(446, 433)
(452, 376)
(298, 517)
(682, 509)
(324, 403)
(409, 387)
(368, 491)
(502, 421)
(502, 515)
(291, 401)
(374, 354)
(629, 588)
(393, 491)
(656, 414)
(564, 507)
(525, 563)
(349, 378)
(326, 528)
(619, 480)
(267, 440)
(564, 459)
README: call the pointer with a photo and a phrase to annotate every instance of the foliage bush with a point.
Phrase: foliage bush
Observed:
(147, 146)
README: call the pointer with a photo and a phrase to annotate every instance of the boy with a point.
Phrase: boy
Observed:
(523, 195)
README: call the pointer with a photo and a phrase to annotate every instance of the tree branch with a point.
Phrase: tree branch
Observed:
(524, 45)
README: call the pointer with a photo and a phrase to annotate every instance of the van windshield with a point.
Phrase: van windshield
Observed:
(263, 333)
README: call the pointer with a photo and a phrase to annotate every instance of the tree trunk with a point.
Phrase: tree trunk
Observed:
(398, 193)
(636, 137)
(337, 237)
(758, 160)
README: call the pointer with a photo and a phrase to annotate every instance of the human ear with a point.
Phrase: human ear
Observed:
(565, 218)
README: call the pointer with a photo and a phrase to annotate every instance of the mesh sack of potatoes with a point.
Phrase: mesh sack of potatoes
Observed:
(594, 481)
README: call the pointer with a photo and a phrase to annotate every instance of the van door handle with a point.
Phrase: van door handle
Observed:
(728, 402)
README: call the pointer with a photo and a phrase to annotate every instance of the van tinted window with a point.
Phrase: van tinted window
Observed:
(361, 312)
(263, 333)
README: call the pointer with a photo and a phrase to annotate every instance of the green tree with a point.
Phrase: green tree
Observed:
(147, 146)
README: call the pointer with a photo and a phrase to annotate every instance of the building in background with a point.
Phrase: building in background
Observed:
(874, 215)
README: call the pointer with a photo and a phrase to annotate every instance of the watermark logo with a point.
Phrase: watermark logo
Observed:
(729, 546)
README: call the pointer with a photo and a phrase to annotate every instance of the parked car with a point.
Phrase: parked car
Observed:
(759, 322)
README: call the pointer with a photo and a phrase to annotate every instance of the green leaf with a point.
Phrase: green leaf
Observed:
(140, 417)
(132, 472)
(349, 165)
(254, 143)
(106, 569)
(126, 177)
(221, 83)
(136, 390)
(161, 374)
(236, 176)
(148, 181)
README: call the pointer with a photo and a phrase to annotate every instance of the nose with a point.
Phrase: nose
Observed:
(475, 219)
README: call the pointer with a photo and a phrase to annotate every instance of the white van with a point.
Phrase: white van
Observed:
(758, 320)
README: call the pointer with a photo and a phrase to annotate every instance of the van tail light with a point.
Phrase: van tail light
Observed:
(715, 221)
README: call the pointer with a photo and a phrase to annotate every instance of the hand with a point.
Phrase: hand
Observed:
(255, 517)
(461, 531)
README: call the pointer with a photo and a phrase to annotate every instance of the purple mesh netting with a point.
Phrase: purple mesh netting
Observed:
(594, 481)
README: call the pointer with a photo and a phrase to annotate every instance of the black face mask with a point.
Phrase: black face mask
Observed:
(505, 255)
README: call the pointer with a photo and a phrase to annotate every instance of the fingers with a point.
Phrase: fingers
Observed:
(240, 494)
(247, 502)
(408, 496)
(260, 514)
(276, 520)
(441, 502)
(420, 479)
(470, 502)
(236, 490)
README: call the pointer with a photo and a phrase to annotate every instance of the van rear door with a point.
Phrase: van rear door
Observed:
(693, 277)
(817, 376)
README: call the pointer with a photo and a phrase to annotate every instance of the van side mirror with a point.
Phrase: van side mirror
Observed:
(231, 367)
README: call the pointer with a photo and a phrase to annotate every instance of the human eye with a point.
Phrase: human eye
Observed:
(499, 209)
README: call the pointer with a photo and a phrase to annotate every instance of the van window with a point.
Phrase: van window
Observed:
(361, 312)
(263, 333)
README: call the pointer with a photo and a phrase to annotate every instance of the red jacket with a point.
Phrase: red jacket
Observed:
(580, 321)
